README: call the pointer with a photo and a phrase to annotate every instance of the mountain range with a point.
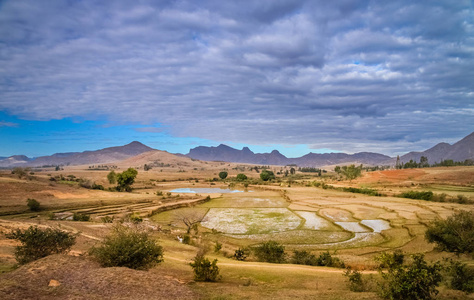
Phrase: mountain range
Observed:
(134, 152)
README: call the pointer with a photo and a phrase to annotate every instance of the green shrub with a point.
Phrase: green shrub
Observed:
(241, 177)
(81, 217)
(204, 270)
(304, 258)
(33, 204)
(356, 283)
(325, 259)
(417, 280)
(271, 252)
(37, 243)
(187, 239)
(461, 277)
(217, 247)
(128, 247)
(267, 175)
(240, 254)
(370, 192)
(223, 175)
(455, 234)
(423, 195)
(135, 218)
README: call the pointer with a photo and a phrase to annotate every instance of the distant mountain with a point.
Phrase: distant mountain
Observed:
(460, 151)
(106, 155)
(229, 154)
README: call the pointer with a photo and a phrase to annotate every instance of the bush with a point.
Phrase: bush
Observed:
(325, 259)
(240, 254)
(223, 175)
(271, 252)
(33, 204)
(455, 234)
(128, 247)
(204, 270)
(217, 247)
(37, 243)
(417, 195)
(304, 258)
(81, 217)
(417, 280)
(461, 276)
(267, 175)
(356, 284)
(107, 219)
(135, 218)
(241, 177)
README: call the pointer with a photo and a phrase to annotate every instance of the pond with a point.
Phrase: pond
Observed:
(205, 190)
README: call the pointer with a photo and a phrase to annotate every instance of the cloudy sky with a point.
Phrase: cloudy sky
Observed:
(298, 76)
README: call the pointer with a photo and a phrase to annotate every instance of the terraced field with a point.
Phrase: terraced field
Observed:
(316, 219)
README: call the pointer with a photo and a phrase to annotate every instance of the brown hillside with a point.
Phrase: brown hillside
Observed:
(81, 278)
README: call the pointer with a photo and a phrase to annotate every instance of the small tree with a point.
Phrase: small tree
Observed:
(240, 254)
(112, 177)
(356, 283)
(461, 276)
(223, 175)
(455, 234)
(203, 269)
(271, 252)
(126, 179)
(37, 243)
(241, 177)
(417, 280)
(190, 218)
(33, 204)
(267, 175)
(128, 247)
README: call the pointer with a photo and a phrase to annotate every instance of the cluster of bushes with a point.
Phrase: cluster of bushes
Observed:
(273, 252)
(370, 192)
(430, 196)
(420, 195)
(412, 277)
(324, 259)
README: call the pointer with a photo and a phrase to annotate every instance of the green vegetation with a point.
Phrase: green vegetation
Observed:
(223, 175)
(241, 177)
(135, 218)
(416, 280)
(370, 192)
(37, 243)
(203, 269)
(128, 247)
(240, 254)
(271, 252)
(455, 234)
(112, 177)
(461, 277)
(267, 175)
(356, 283)
(421, 195)
(126, 179)
(349, 172)
(81, 217)
(33, 204)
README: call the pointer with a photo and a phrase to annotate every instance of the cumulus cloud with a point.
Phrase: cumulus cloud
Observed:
(349, 75)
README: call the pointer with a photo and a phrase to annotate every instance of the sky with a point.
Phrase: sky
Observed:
(297, 76)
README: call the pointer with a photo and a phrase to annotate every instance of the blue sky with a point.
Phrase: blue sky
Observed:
(297, 76)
